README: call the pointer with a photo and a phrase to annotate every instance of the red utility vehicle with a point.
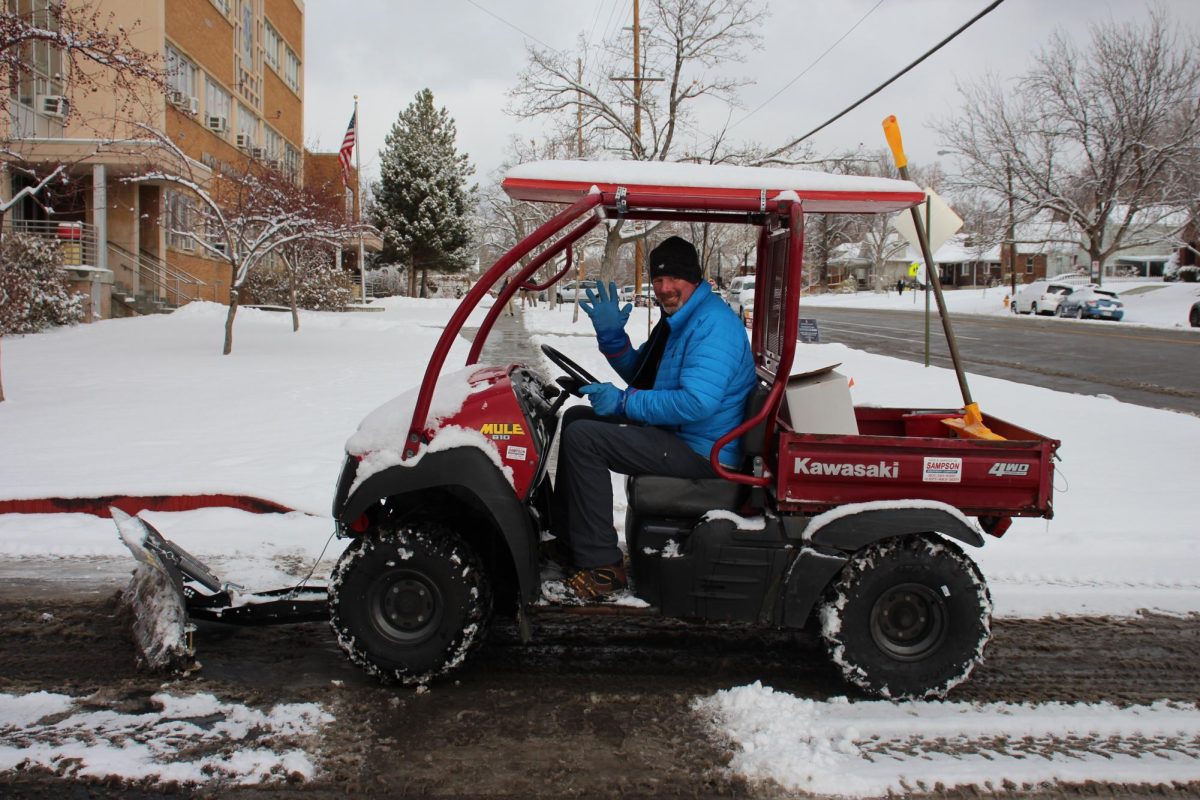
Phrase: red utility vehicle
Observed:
(445, 493)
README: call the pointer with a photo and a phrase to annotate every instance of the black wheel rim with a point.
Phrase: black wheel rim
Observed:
(908, 622)
(406, 606)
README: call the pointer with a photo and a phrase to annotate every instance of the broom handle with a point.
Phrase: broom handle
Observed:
(891, 129)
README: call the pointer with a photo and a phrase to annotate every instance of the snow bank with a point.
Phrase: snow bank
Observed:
(190, 739)
(869, 749)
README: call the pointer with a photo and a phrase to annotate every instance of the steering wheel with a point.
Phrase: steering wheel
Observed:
(576, 375)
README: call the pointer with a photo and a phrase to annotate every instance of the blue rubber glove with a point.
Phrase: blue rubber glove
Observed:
(606, 399)
(608, 318)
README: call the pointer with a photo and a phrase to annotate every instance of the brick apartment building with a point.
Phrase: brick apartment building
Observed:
(235, 94)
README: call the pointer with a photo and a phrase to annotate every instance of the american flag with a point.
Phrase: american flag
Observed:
(348, 147)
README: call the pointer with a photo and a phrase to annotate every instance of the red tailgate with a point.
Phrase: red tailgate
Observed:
(903, 454)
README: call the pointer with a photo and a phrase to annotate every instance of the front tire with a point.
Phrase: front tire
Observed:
(409, 604)
(907, 618)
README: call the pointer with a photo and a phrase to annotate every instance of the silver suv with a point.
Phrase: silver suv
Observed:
(1040, 297)
(568, 291)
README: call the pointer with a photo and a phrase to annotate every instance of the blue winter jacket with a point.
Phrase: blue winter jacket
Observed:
(703, 380)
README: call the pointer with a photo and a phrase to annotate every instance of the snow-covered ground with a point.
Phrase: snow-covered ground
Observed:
(149, 406)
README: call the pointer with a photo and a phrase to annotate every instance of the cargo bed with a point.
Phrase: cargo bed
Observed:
(909, 454)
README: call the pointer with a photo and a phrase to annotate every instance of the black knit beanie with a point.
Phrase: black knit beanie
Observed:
(677, 258)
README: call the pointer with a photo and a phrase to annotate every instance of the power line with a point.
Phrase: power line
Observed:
(805, 71)
(595, 22)
(503, 21)
(890, 80)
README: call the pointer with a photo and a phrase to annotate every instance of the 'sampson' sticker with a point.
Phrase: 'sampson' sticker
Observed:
(942, 470)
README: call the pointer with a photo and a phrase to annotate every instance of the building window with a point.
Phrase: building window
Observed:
(349, 203)
(291, 163)
(222, 6)
(1029, 263)
(291, 71)
(181, 218)
(271, 44)
(181, 74)
(247, 128)
(248, 70)
(273, 147)
(218, 106)
(43, 64)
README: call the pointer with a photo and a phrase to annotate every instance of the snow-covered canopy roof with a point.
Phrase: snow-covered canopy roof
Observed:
(567, 181)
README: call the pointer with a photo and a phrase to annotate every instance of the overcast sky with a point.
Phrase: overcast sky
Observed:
(385, 51)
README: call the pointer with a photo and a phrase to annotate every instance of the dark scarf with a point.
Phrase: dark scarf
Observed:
(648, 360)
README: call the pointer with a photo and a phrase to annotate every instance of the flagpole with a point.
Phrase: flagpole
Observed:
(362, 270)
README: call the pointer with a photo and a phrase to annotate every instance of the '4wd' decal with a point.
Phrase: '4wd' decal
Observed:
(1005, 469)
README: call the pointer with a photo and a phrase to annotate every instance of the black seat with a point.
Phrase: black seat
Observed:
(661, 496)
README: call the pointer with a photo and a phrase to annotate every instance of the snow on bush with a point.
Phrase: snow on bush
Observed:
(33, 288)
(319, 287)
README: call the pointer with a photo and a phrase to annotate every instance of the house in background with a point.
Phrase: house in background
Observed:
(236, 95)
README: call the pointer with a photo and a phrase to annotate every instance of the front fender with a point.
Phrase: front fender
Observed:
(464, 471)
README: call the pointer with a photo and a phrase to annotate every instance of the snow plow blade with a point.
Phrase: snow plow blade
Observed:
(170, 587)
(155, 596)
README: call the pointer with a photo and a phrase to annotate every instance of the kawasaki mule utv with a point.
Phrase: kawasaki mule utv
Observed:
(445, 491)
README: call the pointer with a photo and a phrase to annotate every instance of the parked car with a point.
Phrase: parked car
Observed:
(643, 298)
(567, 292)
(738, 287)
(1194, 315)
(1040, 297)
(1091, 302)
(748, 307)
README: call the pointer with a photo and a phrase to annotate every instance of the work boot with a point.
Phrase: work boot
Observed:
(592, 583)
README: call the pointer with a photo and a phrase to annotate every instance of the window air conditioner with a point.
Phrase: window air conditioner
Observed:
(177, 98)
(245, 141)
(218, 124)
(53, 105)
(220, 247)
(193, 105)
(257, 152)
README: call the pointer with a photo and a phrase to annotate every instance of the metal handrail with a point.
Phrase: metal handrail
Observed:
(159, 274)
(76, 240)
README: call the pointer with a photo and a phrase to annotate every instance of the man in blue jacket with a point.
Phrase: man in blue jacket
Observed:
(687, 387)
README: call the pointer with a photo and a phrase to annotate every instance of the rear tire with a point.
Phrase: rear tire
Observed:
(907, 618)
(409, 604)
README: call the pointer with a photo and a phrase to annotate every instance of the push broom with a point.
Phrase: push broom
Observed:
(970, 425)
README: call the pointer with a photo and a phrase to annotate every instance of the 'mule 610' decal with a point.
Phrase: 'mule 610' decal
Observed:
(502, 431)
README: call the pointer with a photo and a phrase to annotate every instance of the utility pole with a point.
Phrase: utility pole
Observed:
(637, 132)
(579, 108)
(636, 146)
(1011, 233)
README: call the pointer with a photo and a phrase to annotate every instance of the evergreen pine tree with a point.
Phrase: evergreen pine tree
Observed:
(422, 204)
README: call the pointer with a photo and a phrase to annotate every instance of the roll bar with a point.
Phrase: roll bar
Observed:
(519, 282)
(791, 324)
(416, 429)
